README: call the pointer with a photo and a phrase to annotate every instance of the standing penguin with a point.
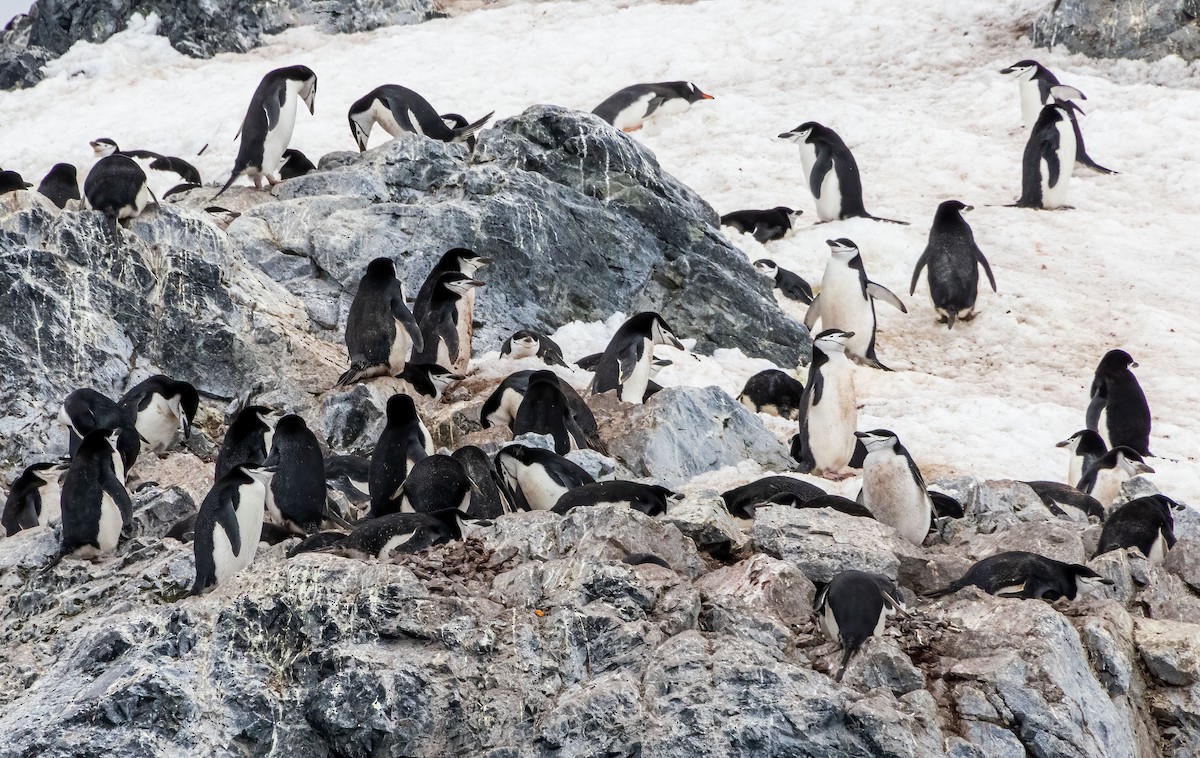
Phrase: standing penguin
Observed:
(34, 499)
(229, 525)
(1104, 479)
(831, 173)
(1086, 447)
(86, 410)
(1116, 393)
(434, 483)
(847, 302)
(403, 441)
(854, 606)
(438, 321)
(527, 343)
(893, 489)
(537, 478)
(544, 410)
(160, 406)
(267, 127)
(1035, 83)
(380, 325)
(1047, 161)
(116, 186)
(398, 110)
(765, 225)
(96, 509)
(628, 107)
(247, 440)
(792, 286)
(61, 184)
(467, 263)
(628, 360)
(954, 260)
(298, 490)
(828, 409)
(773, 392)
(1145, 523)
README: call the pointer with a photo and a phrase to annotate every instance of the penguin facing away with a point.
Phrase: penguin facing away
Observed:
(1104, 479)
(792, 286)
(544, 410)
(116, 186)
(297, 488)
(1116, 394)
(1086, 447)
(773, 392)
(766, 225)
(853, 607)
(228, 526)
(847, 302)
(628, 360)
(1019, 574)
(537, 478)
(403, 442)
(434, 483)
(61, 184)
(1056, 494)
(398, 110)
(953, 259)
(34, 498)
(86, 410)
(831, 173)
(828, 413)
(267, 128)
(1047, 160)
(1145, 523)
(627, 108)
(96, 510)
(502, 406)
(379, 327)
(893, 488)
(160, 406)
(741, 501)
(247, 441)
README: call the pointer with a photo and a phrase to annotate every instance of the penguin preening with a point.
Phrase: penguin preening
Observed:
(86, 410)
(544, 409)
(295, 163)
(773, 392)
(627, 108)
(893, 488)
(1116, 393)
(537, 478)
(379, 327)
(792, 286)
(427, 379)
(1104, 479)
(382, 537)
(828, 413)
(853, 607)
(34, 498)
(160, 406)
(403, 442)
(831, 173)
(267, 128)
(1019, 574)
(953, 259)
(502, 406)
(229, 525)
(247, 441)
(441, 331)
(1086, 447)
(526, 343)
(116, 186)
(626, 364)
(165, 175)
(488, 499)
(1145, 523)
(1056, 494)
(61, 184)
(1047, 160)
(847, 302)
(398, 110)
(1036, 84)
(766, 225)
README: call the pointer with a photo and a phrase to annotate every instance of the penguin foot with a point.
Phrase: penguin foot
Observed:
(837, 476)
(628, 129)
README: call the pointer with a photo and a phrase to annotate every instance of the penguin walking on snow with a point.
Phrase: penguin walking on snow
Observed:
(96, 510)
(893, 488)
(403, 442)
(160, 406)
(61, 184)
(765, 225)
(831, 173)
(380, 327)
(1018, 574)
(398, 110)
(828, 415)
(1117, 395)
(792, 286)
(544, 410)
(297, 489)
(1145, 523)
(1047, 161)
(34, 498)
(853, 607)
(270, 119)
(438, 322)
(537, 478)
(627, 108)
(229, 525)
(628, 360)
(1086, 447)
(847, 302)
(953, 259)
(1036, 83)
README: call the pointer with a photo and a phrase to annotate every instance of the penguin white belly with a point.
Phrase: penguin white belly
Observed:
(1158, 551)
(443, 354)
(510, 402)
(398, 353)
(522, 350)
(843, 306)
(51, 496)
(118, 465)
(277, 139)
(829, 204)
(383, 116)
(108, 532)
(465, 334)
(831, 422)
(895, 498)
(1031, 101)
(673, 106)
(1108, 486)
(541, 492)
(829, 622)
(158, 423)
(634, 389)
(630, 117)
(393, 543)
(1075, 470)
(1056, 196)
(250, 512)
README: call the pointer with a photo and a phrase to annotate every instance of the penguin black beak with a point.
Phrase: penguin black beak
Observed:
(476, 283)
(674, 342)
(483, 261)
(1007, 70)
(968, 208)
(1142, 468)
(456, 377)
(786, 135)
(1133, 365)
(1064, 443)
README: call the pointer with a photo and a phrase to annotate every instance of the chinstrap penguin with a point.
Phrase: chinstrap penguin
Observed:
(773, 392)
(953, 259)
(893, 488)
(766, 225)
(828, 412)
(790, 284)
(1019, 574)
(831, 173)
(379, 328)
(853, 607)
(398, 110)
(1117, 395)
(270, 119)
(626, 363)
(537, 478)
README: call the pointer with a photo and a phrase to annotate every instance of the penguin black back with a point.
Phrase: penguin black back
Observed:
(295, 163)
(455, 260)
(438, 320)
(298, 488)
(61, 184)
(25, 507)
(650, 499)
(774, 392)
(1145, 523)
(265, 116)
(487, 500)
(739, 501)
(11, 181)
(1116, 391)
(96, 509)
(1019, 574)
(435, 483)
(544, 410)
(402, 443)
(953, 259)
(398, 533)
(116, 186)
(87, 411)
(851, 608)
(372, 341)
(766, 225)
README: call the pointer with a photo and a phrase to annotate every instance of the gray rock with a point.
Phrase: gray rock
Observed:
(1120, 28)
(1183, 561)
(702, 516)
(1170, 650)
(760, 598)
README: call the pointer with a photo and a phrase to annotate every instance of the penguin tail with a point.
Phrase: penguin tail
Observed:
(1086, 160)
(951, 317)
(358, 372)
(50, 566)
(886, 220)
(847, 652)
(237, 171)
(947, 590)
(463, 132)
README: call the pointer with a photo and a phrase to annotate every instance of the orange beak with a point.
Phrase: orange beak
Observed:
(707, 97)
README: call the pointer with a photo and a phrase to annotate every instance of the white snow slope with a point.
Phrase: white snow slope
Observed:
(914, 91)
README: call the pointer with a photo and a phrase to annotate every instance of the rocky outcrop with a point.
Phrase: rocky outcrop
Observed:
(198, 29)
(1121, 28)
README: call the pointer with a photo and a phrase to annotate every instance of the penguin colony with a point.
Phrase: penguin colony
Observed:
(274, 481)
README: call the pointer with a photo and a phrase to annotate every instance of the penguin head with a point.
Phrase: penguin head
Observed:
(801, 133)
(304, 82)
(467, 260)
(525, 343)
(1022, 70)
(104, 147)
(1115, 362)
(661, 334)
(877, 439)
(842, 249)
(260, 474)
(381, 269)
(1130, 461)
(290, 424)
(458, 283)
(63, 172)
(401, 409)
(11, 180)
(954, 206)
(789, 212)
(692, 93)
(1087, 581)
(658, 364)
(832, 340)
(766, 267)
(1084, 438)
(441, 377)
(361, 122)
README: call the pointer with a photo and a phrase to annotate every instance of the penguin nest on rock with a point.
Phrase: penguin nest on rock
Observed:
(457, 568)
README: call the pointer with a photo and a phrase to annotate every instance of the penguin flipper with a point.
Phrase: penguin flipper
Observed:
(1097, 404)
(924, 259)
(813, 313)
(626, 362)
(227, 520)
(402, 314)
(879, 292)
(822, 166)
(237, 171)
(987, 268)
(1081, 156)
(1049, 153)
